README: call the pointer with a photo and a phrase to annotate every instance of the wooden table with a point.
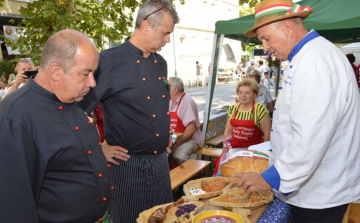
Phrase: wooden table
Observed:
(255, 213)
(186, 171)
(207, 151)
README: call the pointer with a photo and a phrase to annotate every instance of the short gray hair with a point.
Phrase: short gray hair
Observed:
(156, 19)
(296, 20)
(61, 48)
(177, 82)
(25, 60)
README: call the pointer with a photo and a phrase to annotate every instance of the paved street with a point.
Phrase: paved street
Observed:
(224, 94)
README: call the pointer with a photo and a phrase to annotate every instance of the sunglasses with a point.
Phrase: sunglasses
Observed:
(155, 12)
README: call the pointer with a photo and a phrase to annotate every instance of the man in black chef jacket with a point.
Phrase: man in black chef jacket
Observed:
(52, 166)
(134, 94)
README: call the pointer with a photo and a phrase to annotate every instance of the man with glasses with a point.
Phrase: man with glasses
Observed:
(24, 64)
(134, 94)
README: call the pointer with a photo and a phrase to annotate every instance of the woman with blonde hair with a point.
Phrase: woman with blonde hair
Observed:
(248, 122)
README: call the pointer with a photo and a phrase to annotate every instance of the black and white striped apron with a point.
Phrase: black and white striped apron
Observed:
(140, 183)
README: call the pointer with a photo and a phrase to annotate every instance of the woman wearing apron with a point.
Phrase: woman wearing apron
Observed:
(248, 121)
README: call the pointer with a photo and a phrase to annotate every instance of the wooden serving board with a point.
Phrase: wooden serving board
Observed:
(255, 213)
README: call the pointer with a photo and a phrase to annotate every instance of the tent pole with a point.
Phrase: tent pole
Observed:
(215, 58)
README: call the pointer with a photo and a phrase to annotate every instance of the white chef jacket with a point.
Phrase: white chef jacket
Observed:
(315, 136)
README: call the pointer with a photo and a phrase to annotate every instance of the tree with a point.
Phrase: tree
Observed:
(251, 3)
(245, 10)
(6, 68)
(43, 18)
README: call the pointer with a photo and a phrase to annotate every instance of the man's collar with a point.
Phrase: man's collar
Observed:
(310, 36)
(177, 100)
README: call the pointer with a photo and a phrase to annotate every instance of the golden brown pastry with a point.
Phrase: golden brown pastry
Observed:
(244, 164)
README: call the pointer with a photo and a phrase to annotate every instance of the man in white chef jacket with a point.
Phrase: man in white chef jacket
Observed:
(315, 165)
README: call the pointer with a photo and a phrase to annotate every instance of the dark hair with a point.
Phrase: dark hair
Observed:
(351, 57)
(261, 62)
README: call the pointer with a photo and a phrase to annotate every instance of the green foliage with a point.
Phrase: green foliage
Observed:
(6, 68)
(43, 18)
(251, 3)
(246, 10)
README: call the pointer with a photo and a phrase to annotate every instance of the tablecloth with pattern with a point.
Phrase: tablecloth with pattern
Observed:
(217, 123)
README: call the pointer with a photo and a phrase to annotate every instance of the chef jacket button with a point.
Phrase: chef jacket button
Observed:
(138, 61)
(168, 113)
(89, 122)
(163, 96)
(148, 97)
(155, 152)
(159, 78)
(89, 152)
(290, 66)
(100, 175)
(109, 165)
(154, 115)
(155, 61)
(274, 109)
(61, 107)
(99, 143)
(112, 188)
(100, 220)
(157, 134)
(76, 128)
(144, 79)
(104, 198)
(272, 130)
(170, 131)
(167, 148)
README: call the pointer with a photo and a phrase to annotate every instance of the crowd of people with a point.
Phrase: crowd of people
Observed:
(56, 168)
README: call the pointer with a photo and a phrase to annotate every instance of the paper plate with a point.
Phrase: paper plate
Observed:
(214, 213)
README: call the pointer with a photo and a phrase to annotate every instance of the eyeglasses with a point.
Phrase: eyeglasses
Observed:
(155, 12)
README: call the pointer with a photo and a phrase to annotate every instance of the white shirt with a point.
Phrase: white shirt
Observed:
(3, 92)
(7, 89)
(264, 96)
(262, 70)
(316, 132)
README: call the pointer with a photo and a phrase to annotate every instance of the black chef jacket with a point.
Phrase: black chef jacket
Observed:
(52, 166)
(134, 97)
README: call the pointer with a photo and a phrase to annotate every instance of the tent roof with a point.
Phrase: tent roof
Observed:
(338, 21)
(351, 48)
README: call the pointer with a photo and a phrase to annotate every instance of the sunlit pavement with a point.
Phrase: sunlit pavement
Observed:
(224, 94)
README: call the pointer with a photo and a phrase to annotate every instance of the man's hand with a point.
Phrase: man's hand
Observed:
(251, 181)
(116, 152)
(94, 120)
(20, 78)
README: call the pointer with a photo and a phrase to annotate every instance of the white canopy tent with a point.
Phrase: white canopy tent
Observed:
(353, 48)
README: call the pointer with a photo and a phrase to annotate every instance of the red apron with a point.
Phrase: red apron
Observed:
(175, 122)
(177, 125)
(245, 133)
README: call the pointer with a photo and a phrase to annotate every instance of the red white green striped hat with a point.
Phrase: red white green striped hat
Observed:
(269, 11)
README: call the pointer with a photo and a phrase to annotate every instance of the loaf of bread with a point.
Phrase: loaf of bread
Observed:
(244, 164)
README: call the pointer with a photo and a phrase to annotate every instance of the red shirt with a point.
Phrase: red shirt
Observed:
(356, 70)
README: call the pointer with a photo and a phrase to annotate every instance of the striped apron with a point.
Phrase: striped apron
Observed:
(140, 183)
